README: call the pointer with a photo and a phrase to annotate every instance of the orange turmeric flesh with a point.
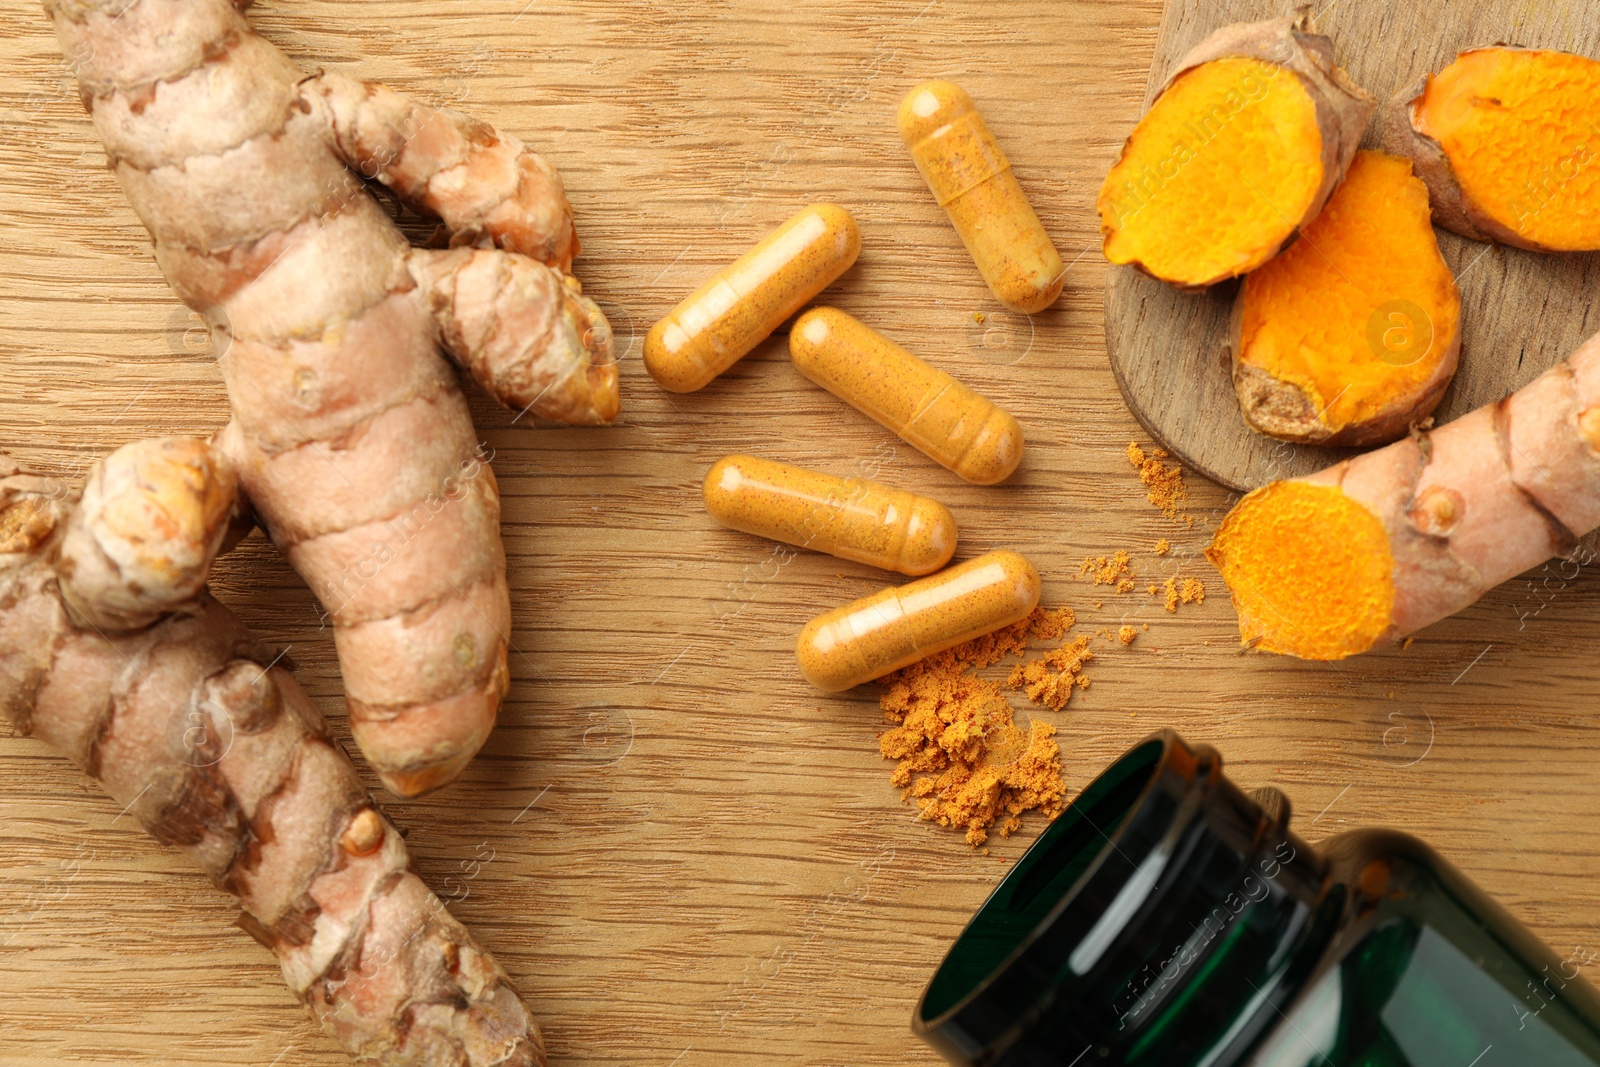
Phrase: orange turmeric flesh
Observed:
(1352, 334)
(1518, 129)
(1310, 571)
(1217, 175)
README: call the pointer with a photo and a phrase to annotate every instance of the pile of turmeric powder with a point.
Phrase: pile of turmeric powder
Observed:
(959, 752)
(961, 755)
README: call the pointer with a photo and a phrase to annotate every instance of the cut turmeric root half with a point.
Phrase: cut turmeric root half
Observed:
(1351, 336)
(1309, 569)
(1396, 539)
(1240, 150)
(1505, 139)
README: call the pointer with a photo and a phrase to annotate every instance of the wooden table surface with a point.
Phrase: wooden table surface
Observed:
(683, 855)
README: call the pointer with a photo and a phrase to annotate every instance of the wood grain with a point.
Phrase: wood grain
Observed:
(684, 855)
(1521, 312)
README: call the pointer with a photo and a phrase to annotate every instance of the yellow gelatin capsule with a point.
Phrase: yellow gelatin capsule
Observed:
(961, 429)
(899, 626)
(851, 518)
(720, 322)
(972, 180)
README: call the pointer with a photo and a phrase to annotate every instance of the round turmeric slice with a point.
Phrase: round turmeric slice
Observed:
(1506, 140)
(1310, 570)
(1241, 149)
(1351, 336)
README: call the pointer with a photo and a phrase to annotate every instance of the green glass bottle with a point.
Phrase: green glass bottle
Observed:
(1168, 919)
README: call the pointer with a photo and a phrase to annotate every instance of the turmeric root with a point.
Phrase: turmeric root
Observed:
(1238, 153)
(1382, 545)
(350, 434)
(113, 653)
(1505, 139)
(1351, 336)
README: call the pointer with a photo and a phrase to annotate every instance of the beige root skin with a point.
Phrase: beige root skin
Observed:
(188, 723)
(350, 435)
(497, 311)
(1465, 507)
(480, 183)
(151, 517)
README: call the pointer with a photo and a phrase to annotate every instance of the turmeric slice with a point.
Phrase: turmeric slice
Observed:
(1240, 150)
(1351, 336)
(1309, 569)
(1505, 139)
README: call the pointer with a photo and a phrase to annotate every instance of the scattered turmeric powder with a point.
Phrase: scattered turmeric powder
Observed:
(1163, 483)
(961, 756)
(1184, 591)
(1163, 546)
(1108, 571)
(1051, 625)
(1051, 679)
(1127, 634)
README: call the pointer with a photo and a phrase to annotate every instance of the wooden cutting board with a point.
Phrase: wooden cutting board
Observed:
(1521, 312)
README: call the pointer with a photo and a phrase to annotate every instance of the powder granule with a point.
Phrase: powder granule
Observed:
(1109, 571)
(1163, 484)
(1163, 546)
(1184, 591)
(1050, 625)
(1127, 634)
(1051, 679)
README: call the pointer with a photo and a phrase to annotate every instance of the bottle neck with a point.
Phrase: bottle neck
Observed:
(1163, 918)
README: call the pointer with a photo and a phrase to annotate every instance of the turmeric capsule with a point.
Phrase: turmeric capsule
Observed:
(933, 412)
(898, 626)
(972, 180)
(720, 322)
(851, 518)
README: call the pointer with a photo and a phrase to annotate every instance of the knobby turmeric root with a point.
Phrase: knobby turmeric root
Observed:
(350, 433)
(112, 652)
(1382, 545)
(1351, 336)
(1506, 139)
(1240, 150)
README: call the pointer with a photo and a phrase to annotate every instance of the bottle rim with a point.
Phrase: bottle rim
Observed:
(971, 1019)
